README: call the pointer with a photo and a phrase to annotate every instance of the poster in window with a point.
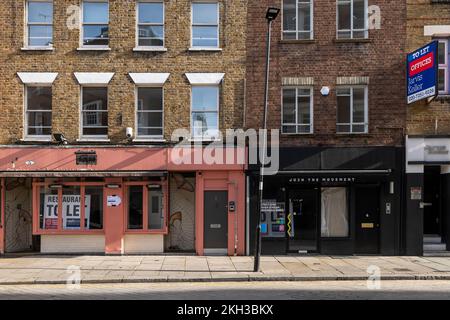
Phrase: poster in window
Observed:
(71, 211)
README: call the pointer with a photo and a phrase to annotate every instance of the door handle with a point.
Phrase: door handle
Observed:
(425, 204)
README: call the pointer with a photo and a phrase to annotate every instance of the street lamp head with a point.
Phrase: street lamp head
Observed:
(272, 13)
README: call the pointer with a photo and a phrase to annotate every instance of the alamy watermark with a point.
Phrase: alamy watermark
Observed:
(73, 280)
(374, 279)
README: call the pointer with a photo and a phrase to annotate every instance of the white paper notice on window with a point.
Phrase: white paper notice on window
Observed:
(113, 201)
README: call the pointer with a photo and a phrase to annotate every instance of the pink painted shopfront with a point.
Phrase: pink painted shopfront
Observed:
(118, 200)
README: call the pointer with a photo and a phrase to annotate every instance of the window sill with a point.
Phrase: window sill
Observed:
(298, 134)
(149, 140)
(302, 41)
(37, 139)
(37, 49)
(94, 49)
(150, 49)
(93, 140)
(361, 40)
(204, 49)
(350, 134)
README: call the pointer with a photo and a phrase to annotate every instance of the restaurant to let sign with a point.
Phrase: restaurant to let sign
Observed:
(422, 74)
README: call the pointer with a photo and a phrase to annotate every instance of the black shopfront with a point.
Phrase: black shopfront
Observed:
(339, 201)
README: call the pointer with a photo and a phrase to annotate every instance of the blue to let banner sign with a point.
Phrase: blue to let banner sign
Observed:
(422, 74)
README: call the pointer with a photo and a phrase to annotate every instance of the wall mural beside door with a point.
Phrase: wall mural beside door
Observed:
(18, 218)
(181, 235)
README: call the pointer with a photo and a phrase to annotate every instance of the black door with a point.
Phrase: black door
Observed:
(216, 220)
(431, 201)
(367, 207)
(302, 220)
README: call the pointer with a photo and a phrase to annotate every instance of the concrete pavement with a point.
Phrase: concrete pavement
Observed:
(56, 269)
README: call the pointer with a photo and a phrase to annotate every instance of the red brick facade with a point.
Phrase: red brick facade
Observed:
(381, 58)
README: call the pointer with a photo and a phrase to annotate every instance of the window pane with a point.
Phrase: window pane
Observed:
(344, 34)
(441, 82)
(343, 128)
(334, 213)
(95, 12)
(359, 128)
(155, 210)
(39, 123)
(150, 99)
(343, 109)
(304, 106)
(344, 16)
(358, 14)
(204, 124)
(441, 53)
(95, 35)
(135, 200)
(41, 12)
(290, 35)
(289, 129)
(204, 13)
(48, 211)
(150, 119)
(204, 37)
(71, 207)
(95, 104)
(289, 17)
(359, 34)
(151, 12)
(94, 208)
(289, 106)
(150, 132)
(303, 129)
(40, 35)
(205, 98)
(151, 36)
(39, 98)
(304, 17)
(358, 105)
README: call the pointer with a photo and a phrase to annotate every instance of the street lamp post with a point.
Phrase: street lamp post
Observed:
(271, 15)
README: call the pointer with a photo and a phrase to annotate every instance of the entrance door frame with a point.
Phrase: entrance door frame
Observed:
(2, 216)
(316, 188)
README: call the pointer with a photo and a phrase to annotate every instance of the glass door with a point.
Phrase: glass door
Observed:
(302, 220)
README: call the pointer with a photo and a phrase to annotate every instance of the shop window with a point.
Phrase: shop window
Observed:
(69, 196)
(71, 207)
(135, 207)
(94, 208)
(95, 30)
(39, 24)
(352, 110)
(94, 112)
(297, 19)
(48, 208)
(205, 112)
(205, 24)
(145, 208)
(352, 19)
(443, 76)
(38, 112)
(297, 110)
(150, 24)
(334, 214)
(150, 113)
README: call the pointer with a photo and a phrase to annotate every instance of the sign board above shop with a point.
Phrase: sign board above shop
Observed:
(422, 74)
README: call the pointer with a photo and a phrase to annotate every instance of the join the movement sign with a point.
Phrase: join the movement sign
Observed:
(422, 74)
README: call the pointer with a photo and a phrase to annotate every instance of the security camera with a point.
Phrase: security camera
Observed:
(325, 91)
(129, 133)
(59, 137)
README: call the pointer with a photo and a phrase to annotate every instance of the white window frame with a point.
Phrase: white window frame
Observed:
(205, 138)
(136, 124)
(32, 137)
(28, 24)
(311, 111)
(81, 116)
(297, 31)
(352, 30)
(444, 67)
(137, 46)
(205, 25)
(366, 110)
(82, 24)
